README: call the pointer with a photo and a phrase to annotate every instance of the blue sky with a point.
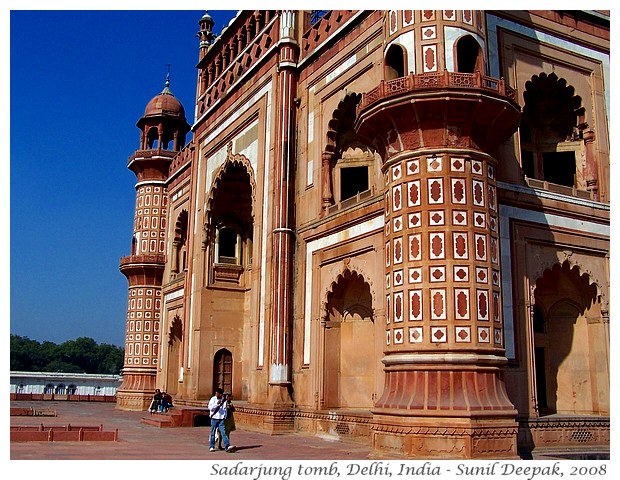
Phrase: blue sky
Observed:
(79, 82)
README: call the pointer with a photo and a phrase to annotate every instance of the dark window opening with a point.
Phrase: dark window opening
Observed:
(353, 180)
(153, 137)
(227, 245)
(527, 163)
(559, 168)
(541, 378)
(539, 320)
(468, 55)
(395, 62)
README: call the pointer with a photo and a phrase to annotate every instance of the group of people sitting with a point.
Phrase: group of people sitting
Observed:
(161, 402)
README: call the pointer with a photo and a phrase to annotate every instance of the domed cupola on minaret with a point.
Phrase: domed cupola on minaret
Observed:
(163, 124)
(163, 129)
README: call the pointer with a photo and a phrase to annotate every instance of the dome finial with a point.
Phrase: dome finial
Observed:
(167, 84)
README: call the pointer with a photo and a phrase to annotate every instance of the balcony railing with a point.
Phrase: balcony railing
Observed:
(434, 81)
(139, 154)
(131, 259)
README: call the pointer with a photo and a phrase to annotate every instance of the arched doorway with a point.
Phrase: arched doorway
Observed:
(222, 370)
(566, 343)
(348, 368)
(469, 57)
(395, 62)
(174, 351)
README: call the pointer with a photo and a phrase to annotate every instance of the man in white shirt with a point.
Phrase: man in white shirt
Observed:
(217, 408)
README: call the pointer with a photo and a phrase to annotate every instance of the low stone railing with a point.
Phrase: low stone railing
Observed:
(430, 81)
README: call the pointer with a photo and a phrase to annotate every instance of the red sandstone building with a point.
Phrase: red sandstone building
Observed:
(390, 226)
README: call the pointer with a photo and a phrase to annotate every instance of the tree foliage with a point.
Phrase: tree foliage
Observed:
(82, 355)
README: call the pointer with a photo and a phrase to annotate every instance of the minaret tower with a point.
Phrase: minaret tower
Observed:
(163, 129)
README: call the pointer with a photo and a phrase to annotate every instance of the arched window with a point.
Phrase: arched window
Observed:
(350, 167)
(153, 137)
(230, 229)
(551, 130)
(61, 389)
(71, 389)
(394, 62)
(469, 55)
(49, 389)
(179, 244)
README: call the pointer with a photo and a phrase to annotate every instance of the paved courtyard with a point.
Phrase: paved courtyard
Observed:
(137, 441)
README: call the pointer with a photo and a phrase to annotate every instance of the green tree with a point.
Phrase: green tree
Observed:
(110, 358)
(81, 352)
(27, 354)
(80, 355)
(60, 366)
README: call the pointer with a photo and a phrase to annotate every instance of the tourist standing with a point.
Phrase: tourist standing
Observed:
(229, 423)
(218, 411)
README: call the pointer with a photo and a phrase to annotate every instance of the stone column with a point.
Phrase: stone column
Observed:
(327, 197)
(444, 395)
(591, 165)
(282, 235)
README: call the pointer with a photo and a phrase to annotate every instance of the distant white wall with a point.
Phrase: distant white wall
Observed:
(62, 383)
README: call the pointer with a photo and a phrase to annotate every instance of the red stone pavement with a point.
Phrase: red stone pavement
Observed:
(138, 441)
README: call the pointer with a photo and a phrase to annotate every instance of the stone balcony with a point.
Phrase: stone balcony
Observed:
(434, 81)
(438, 110)
(142, 259)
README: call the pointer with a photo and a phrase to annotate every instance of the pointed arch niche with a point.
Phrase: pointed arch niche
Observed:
(568, 344)
(556, 142)
(348, 337)
(175, 338)
(349, 170)
(178, 257)
(229, 223)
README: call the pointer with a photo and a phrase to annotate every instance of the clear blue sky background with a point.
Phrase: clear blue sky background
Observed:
(79, 82)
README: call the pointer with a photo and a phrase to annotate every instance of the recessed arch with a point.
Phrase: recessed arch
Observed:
(231, 160)
(348, 333)
(552, 132)
(346, 154)
(566, 340)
